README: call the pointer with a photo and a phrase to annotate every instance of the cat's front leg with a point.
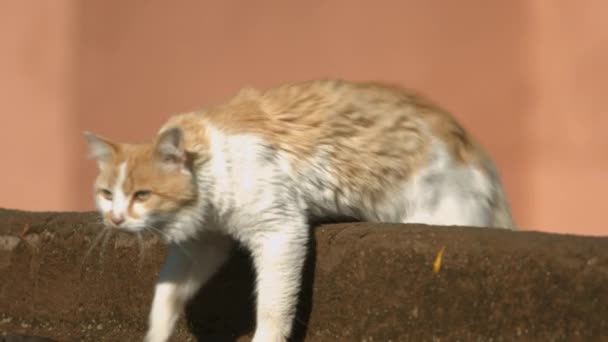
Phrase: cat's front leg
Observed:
(187, 267)
(279, 257)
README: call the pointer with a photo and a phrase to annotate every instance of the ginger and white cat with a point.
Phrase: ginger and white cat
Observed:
(257, 168)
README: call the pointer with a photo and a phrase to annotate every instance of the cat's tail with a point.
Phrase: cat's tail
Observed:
(501, 213)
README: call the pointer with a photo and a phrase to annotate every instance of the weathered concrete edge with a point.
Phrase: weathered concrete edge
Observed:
(63, 225)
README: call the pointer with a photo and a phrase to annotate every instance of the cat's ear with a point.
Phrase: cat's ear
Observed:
(170, 147)
(100, 149)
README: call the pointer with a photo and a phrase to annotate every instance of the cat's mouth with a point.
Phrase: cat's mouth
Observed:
(126, 226)
(156, 225)
(131, 229)
(128, 229)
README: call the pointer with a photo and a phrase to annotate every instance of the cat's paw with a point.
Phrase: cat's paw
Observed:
(155, 337)
(267, 335)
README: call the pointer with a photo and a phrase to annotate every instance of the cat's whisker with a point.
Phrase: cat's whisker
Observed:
(158, 231)
(96, 240)
(142, 248)
(167, 238)
(103, 246)
(96, 221)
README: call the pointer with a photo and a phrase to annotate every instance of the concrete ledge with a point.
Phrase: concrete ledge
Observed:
(364, 282)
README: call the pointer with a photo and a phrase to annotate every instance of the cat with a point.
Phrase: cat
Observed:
(258, 167)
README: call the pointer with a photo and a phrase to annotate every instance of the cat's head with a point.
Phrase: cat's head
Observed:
(144, 185)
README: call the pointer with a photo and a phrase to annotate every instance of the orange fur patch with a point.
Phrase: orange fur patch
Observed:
(376, 134)
(373, 135)
(170, 189)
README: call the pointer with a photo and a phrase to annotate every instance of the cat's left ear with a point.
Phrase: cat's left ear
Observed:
(100, 149)
(170, 147)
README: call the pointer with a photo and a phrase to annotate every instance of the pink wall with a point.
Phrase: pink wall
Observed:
(524, 77)
(36, 123)
(568, 120)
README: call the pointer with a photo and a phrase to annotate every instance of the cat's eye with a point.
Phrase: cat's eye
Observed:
(142, 195)
(107, 194)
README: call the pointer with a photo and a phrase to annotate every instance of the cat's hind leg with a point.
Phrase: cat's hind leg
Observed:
(453, 211)
(458, 197)
(187, 267)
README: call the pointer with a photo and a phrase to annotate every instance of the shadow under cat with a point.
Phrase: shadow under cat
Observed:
(223, 309)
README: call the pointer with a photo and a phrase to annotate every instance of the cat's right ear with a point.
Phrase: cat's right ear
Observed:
(100, 149)
(170, 147)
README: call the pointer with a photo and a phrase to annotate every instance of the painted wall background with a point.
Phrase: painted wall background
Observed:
(527, 78)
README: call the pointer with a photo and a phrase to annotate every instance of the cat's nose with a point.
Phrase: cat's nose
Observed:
(117, 219)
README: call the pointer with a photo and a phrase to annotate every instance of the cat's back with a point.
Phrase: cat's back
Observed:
(353, 145)
(380, 152)
(389, 127)
(301, 117)
(342, 122)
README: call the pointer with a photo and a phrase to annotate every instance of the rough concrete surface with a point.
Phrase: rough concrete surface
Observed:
(363, 282)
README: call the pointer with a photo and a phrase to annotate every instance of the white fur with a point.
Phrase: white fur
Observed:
(441, 193)
(139, 209)
(103, 205)
(120, 202)
(118, 206)
(444, 193)
(254, 202)
(115, 205)
(186, 268)
(255, 195)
